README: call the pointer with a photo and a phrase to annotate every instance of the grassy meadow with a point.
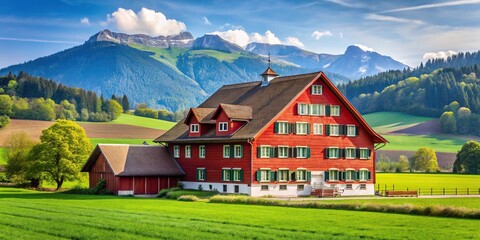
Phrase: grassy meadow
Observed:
(59, 216)
(427, 181)
(143, 122)
(384, 122)
(414, 142)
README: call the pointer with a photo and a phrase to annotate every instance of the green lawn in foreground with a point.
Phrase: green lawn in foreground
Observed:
(427, 181)
(144, 122)
(28, 214)
(384, 122)
(414, 142)
(3, 156)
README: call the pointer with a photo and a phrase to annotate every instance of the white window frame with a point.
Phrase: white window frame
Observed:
(317, 90)
(194, 128)
(226, 177)
(363, 151)
(304, 151)
(349, 130)
(335, 113)
(235, 151)
(337, 126)
(201, 177)
(304, 127)
(330, 153)
(350, 149)
(352, 173)
(223, 126)
(304, 175)
(265, 151)
(363, 175)
(265, 175)
(202, 151)
(318, 129)
(226, 151)
(333, 170)
(188, 151)
(315, 109)
(236, 174)
(283, 127)
(281, 155)
(302, 109)
(281, 177)
(176, 151)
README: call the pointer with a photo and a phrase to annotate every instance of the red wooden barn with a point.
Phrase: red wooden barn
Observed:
(133, 169)
(283, 136)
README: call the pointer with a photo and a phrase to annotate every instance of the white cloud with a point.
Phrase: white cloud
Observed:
(268, 37)
(364, 48)
(319, 34)
(206, 21)
(146, 21)
(378, 17)
(294, 42)
(344, 3)
(340, 35)
(434, 5)
(237, 36)
(85, 21)
(440, 54)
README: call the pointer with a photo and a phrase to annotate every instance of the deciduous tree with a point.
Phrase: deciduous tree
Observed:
(468, 159)
(19, 168)
(425, 160)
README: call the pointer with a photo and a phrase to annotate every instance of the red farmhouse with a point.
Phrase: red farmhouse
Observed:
(283, 136)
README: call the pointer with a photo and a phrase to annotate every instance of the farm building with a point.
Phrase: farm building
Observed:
(132, 169)
(282, 136)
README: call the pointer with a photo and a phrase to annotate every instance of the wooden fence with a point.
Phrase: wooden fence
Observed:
(431, 191)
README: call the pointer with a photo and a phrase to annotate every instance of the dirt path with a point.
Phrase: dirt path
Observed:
(94, 130)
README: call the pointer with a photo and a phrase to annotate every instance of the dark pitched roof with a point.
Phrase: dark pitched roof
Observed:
(238, 112)
(135, 160)
(267, 102)
(203, 115)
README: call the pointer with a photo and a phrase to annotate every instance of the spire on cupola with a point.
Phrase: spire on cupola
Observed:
(268, 74)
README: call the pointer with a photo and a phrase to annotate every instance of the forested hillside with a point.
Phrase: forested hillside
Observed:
(421, 91)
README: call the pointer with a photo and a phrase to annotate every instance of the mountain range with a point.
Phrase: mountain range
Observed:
(177, 72)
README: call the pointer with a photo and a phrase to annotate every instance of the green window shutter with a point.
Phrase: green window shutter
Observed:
(259, 152)
(369, 175)
(308, 128)
(241, 175)
(272, 176)
(290, 152)
(196, 174)
(327, 129)
(343, 176)
(241, 151)
(357, 153)
(369, 153)
(293, 128)
(339, 110)
(327, 152)
(288, 127)
(327, 110)
(357, 175)
(294, 152)
(308, 152)
(230, 172)
(232, 151)
(272, 152)
(356, 130)
(327, 176)
(292, 176)
(275, 151)
(340, 130)
(259, 175)
(309, 176)
(277, 177)
(275, 127)
(223, 175)
(204, 174)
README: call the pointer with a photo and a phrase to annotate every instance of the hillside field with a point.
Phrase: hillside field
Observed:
(59, 216)
(427, 181)
(385, 122)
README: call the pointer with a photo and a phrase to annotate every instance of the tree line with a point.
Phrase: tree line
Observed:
(424, 160)
(27, 97)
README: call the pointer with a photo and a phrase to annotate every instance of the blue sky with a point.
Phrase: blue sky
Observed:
(408, 31)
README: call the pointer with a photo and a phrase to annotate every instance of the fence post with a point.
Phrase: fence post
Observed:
(431, 191)
(443, 191)
(419, 191)
(407, 188)
(456, 191)
(468, 191)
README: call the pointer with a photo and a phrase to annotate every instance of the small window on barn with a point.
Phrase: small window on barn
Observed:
(226, 174)
(364, 153)
(238, 151)
(317, 129)
(283, 187)
(282, 127)
(201, 151)
(176, 151)
(237, 189)
(351, 131)
(335, 110)
(363, 175)
(302, 109)
(317, 110)
(226, 151)
(316, 90)
(237, 175)
(194, 128)
(225, 188)
(223, 126)
(188, 151)
(264, 187)
(302, 128)
(300, 187)
(303, 152)
(350, 153)
(201, 174)
(349, 187)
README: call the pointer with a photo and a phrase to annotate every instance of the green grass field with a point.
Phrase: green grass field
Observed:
(34, 215)
(414, 142)
(3, 156)
(384, 122)
(427, 181)
(144, 122)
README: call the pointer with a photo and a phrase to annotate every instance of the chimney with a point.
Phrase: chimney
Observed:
(268, 74)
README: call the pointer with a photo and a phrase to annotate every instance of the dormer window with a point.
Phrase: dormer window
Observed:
(223, 126)
(194, 128)
(316, 90)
